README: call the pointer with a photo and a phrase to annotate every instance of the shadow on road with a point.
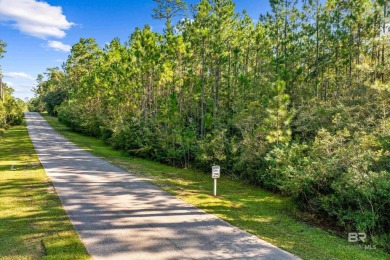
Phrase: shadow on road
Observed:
(119, 215)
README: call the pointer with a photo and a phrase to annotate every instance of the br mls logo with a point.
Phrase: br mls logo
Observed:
(354, 237)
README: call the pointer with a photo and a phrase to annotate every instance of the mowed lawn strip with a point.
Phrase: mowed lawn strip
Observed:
(33, 224)
(259, 212)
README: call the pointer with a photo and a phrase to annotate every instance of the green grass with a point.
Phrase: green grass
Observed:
(33, 224)
(259, 212)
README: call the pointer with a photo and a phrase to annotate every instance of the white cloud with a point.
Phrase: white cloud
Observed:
(23, 91)
(9, 84)
(35, 18)
(58, 46)
(18, 75)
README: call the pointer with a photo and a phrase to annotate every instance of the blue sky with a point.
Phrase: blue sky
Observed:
(39, 33)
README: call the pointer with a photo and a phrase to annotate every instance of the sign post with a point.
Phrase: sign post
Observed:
(215, 174)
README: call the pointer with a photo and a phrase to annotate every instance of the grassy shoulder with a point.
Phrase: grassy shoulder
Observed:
(259, 212)
(33, 224)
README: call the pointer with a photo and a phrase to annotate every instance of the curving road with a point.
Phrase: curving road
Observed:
(119, 216)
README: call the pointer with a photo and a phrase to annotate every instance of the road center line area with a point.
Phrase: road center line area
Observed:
(120, 216)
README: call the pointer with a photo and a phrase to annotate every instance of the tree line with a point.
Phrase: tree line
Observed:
(11, 108)
(297, 102)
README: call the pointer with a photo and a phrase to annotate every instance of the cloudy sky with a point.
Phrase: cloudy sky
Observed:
(39, 34)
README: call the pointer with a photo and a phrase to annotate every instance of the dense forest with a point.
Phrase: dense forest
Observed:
(11, 108)
(297, 102)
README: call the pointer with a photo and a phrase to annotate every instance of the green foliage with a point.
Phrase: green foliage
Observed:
(167, 9)
(355, 186)
(286, 168)
(297, 102)
(212, 149)
(3, 117)
(2, 48)
(246, 206)
(69, 114)
(11, 110)
(277, 122)
(35, 104)
(138, 139)
(50, 93)
(345, 176)
(250, 146)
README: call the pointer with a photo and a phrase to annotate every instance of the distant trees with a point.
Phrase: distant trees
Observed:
(2, 48)
(11, 109)
(296, 102)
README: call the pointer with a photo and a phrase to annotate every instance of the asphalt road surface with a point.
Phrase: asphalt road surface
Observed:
(120, 216)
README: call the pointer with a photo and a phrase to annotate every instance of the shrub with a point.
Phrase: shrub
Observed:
(341, 175)
(212, 150)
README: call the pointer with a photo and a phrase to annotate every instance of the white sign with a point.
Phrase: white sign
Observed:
(216, 172)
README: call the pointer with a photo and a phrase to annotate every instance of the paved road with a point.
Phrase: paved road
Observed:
(120, 216)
